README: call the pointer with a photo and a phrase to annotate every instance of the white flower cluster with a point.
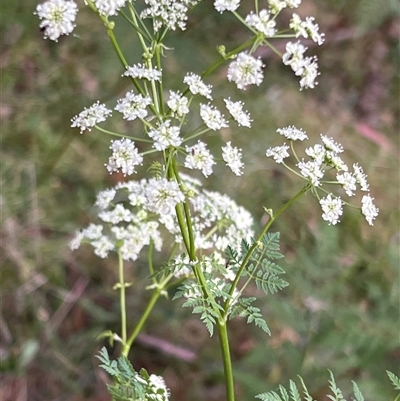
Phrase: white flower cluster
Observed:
(169, 13)
(165, 135)
(262, 23)
(325, 155)
(304, 67)
(125, 157)
(88, 118)
(133, 213)
(57, 17)
(245, 70)
(108, 7)
(141, 72)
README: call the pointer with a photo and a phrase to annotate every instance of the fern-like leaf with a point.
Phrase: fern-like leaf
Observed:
(394, 379)
(295, 393)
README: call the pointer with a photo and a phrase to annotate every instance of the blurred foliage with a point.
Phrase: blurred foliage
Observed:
(340, 310)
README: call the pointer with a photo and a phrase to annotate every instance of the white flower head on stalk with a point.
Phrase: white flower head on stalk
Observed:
(262, 22)
(276, 6)
(165, 136)
(163, 195)
(108, 7)
(332, 209)
(278, 153)
(57, 18)
(197, 86)
(133, 106)
(178, 104)
(169, 13)
(294, 55)
(331, 145)
(368, 209)
(226, 5)
(307, 29)
(316, 152)
(312, 170)
(293, 133)
(212, 117)
(141, 72)
(233, 158)
(361, 178)
(125, 157)
(245, 70)
(348, 182)
(308, 72)
(104, 198)
(88, 118)
(239, 115)
(199, 158)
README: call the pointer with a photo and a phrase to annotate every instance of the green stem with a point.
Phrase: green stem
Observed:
(258, 239)
(138, 328)
(226, 357)
(122, 299)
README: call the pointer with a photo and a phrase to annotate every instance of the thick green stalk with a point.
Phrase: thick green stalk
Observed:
(226, 357)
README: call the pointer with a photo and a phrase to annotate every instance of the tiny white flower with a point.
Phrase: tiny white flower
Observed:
(334, 160)
(212, 117)
(368, 209)
(316, 152)
(294, 55)
(226, 5)
(233, 158)
(332, 209)
(125, 156)
(93, 231)
(330, 144)
(117, 215)
(308, 72)
(348, 182)
(140, 71)
(88, 118)
(245, 70)
(199, 158)
(162, 196)
(275, 6)
(360, 177)
(169, 13)
(76, 241)
(133, 106)
(57, 17)
(236, 111)
(311, 170)
(293, 3)
(104, 198)
(165, 136)
(103, 246)
(109, 7)
(178, 104)
(278, 153)
(293, 133)
(307, 29)
(197, 86)
(262, 23)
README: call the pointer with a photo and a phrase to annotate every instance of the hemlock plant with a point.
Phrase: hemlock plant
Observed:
(213, 251)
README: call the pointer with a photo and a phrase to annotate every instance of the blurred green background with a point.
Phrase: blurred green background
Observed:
(341, 310)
